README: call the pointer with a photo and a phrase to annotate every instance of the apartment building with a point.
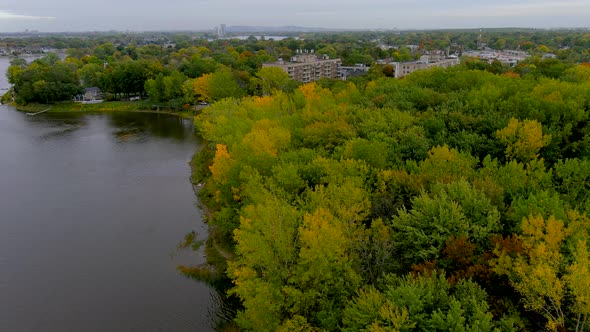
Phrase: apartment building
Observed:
(306, 67)
(426, 61)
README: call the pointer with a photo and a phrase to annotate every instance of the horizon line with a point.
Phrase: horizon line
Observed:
(290, 29)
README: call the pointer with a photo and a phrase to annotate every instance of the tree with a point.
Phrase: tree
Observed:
(155, 88)
(551, 284)
(523, 139)
(44, 81)
(325, 278)
(536, 274)
(444, 164)
(421, 302)
(91, 75)
(222, 84)
(272, 78)
(267, 256)
(455, 209)
(201, 88)
(173, 85)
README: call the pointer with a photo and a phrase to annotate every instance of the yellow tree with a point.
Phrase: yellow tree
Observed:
(201, 87)
(538, 272)
(578, 281)
(266, 136)
(222, 164)
(523, 139)
(309, 90)
(542, 275)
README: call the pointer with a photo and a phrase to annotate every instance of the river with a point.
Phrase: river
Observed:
(92, 208)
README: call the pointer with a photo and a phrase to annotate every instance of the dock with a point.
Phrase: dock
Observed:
(43, 111)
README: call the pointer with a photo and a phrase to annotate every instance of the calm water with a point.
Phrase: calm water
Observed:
(92, 208)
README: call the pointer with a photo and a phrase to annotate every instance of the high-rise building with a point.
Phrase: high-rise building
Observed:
(221, 31)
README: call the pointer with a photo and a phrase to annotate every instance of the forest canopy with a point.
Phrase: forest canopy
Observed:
(453, 199)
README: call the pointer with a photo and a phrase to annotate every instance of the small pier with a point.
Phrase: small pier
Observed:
(43, 111)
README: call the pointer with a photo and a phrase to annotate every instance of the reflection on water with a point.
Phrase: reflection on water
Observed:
(160, 125)
(127, 134)
(59, 133)
(92, 206)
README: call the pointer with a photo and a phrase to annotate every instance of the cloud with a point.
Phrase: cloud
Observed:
(542, 8)
(6, 15)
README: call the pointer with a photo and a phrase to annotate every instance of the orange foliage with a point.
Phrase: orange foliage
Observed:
(222, 164)
(460, 262)
(309, 90)
(263, 102)
(425, 268)
(511, 74)
(246, 54)
(461, 254)
(510, 245)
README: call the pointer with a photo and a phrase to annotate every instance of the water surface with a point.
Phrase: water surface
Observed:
(92, 207)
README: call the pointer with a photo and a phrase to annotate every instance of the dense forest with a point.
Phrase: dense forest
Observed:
(450, 200)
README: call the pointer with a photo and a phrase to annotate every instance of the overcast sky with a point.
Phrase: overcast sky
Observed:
(141, 15)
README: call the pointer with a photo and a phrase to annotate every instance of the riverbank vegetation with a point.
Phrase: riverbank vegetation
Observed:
(450, 199)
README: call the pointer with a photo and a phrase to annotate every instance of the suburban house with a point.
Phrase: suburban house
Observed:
(90, 95)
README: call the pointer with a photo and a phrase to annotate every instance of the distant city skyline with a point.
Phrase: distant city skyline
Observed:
(135, 15)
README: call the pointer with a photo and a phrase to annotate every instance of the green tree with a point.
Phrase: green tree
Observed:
(155, 88)
(455, 209)
(270, 79)
(425, 303)
(267, 256)
(222, 84)
(91, 75)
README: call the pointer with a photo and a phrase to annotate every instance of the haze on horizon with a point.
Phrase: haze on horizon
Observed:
(136, 15)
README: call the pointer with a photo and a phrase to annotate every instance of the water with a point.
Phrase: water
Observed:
(92, 207)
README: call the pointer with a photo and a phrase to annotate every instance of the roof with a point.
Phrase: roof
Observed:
(92, 89)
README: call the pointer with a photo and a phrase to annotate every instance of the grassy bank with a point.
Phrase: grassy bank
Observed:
(107, 106)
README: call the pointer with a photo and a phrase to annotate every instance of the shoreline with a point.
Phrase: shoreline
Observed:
(213, 271)
(212, 245)
(107, 106)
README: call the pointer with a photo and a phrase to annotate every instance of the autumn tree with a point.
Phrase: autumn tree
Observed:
(201, 88)
(550, 283)
(523, 139)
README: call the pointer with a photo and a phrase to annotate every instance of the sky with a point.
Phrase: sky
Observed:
(148, 15)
